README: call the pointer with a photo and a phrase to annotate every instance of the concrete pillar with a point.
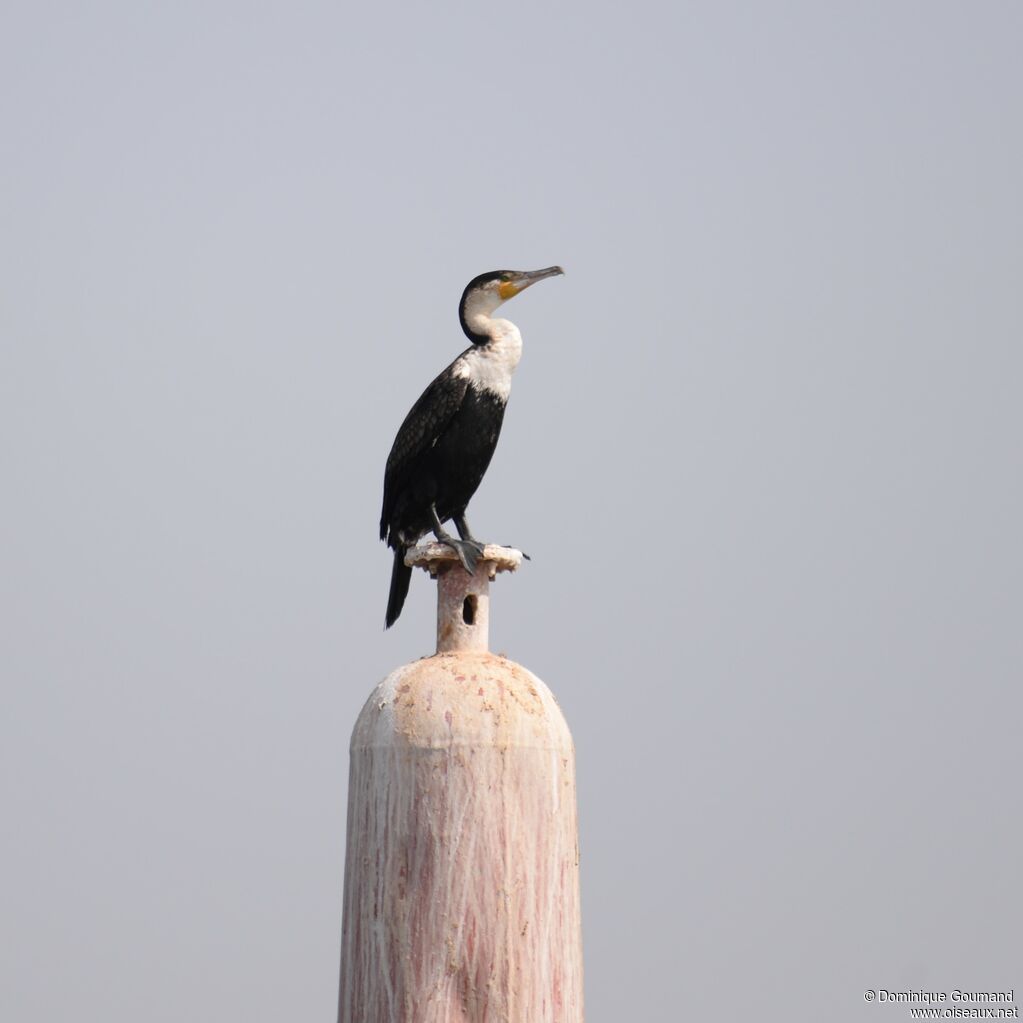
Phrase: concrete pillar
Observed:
(462, 866)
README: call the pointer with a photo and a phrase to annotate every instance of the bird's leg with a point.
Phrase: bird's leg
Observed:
(467, 553)
(466, 533)
(463, 531)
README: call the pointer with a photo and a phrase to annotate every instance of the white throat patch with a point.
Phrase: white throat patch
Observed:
(489, 367)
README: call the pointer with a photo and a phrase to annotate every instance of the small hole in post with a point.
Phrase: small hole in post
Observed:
(469, 610)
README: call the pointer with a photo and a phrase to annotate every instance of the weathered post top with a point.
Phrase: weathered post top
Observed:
(463, 600)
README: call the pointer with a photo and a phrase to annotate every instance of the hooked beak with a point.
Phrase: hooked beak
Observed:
(523, 279)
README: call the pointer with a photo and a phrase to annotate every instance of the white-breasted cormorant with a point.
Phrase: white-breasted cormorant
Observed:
(448, 438)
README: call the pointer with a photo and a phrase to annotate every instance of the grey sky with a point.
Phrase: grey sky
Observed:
(778, 386)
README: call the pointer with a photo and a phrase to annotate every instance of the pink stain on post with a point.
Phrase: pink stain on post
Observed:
(462, 870)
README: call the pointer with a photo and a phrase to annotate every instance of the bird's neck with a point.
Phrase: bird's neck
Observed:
(490, 363)
(484, 329)
(478, 320)
(502, 338)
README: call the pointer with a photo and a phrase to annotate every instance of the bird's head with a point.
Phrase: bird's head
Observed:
(485, 293)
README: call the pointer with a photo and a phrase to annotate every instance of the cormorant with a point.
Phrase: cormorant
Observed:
(448, 438)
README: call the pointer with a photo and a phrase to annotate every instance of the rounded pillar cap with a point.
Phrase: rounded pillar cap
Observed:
(464, 698)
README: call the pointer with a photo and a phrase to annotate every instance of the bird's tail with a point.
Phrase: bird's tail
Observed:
(401, 575)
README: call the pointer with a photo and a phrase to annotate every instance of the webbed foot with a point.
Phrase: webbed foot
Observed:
(469, 552)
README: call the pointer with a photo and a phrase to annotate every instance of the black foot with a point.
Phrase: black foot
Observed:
(468, 551)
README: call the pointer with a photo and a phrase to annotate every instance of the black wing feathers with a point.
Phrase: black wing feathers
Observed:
(422, 427)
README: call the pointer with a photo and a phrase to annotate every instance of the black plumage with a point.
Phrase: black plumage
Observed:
(447, 440)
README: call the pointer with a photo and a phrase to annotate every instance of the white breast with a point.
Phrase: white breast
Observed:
(489, 367)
